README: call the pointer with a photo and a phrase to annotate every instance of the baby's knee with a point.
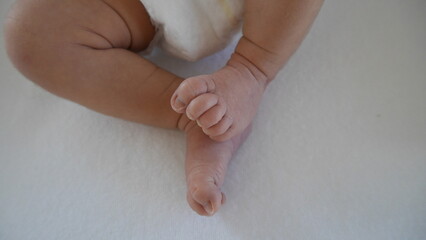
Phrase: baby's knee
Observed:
(30, 35)
(41, 35)
(18, 31)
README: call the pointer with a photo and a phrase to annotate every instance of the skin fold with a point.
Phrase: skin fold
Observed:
(86, 51)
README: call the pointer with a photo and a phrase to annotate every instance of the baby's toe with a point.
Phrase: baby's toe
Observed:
(198, 208)
(213, 115)
(220, 131)
(201, 104)
(190, 89)
(205, 199)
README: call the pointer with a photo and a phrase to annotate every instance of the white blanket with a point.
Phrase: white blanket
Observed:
(337, 152)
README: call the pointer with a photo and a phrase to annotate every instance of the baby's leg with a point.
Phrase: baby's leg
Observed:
(83, 51)
(206, 166)
(224, 103)
(80, 50)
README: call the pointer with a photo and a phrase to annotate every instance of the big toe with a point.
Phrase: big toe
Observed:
(205, 198)
(189, 89)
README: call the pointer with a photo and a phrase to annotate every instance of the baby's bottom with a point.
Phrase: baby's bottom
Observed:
(85, 51)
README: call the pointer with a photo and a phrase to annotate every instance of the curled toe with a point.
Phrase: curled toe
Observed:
(201, 104)
(206, 198)
(212, 116)
(220, 128)
(189, 89)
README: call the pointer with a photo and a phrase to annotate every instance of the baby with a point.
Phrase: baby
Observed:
(86, 51)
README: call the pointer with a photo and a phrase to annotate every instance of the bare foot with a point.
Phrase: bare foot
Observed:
(206, 165)
(224, 103)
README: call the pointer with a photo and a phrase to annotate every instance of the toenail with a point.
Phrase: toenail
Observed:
(209, 209)
(189, 115)
(179, 104)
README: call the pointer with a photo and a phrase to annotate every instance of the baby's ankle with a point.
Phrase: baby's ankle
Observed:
(267, 62)
(248, 69)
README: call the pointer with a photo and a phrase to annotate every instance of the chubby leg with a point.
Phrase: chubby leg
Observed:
(224, 103)
(83, 51)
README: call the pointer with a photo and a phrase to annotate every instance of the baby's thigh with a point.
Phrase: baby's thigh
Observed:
(99, 24)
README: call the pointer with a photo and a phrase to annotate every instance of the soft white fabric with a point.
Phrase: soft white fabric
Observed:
(193, 29)
(337, 150)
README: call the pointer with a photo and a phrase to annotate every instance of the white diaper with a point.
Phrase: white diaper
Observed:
(193, 29)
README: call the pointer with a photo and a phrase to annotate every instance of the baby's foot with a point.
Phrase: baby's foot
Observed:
(206, 165)
(223, 103)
